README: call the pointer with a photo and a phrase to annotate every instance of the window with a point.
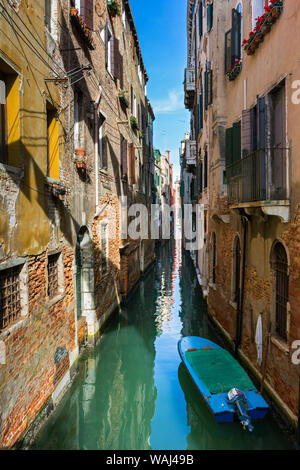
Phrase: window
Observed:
(205, 170)
(133, 103)
(104, 246)
(209, 14)
(233, 149)
(52, 143)
(214, 257)
(258, 9)
(10, 298)
(102, 143)
(236, 270)
(279, 264)
(77, 119)
(124, 170)
(52, 270)
(86, 11)
(131, 151)
(233, 47)
(9, 116)
(113, 57)
(3, 120)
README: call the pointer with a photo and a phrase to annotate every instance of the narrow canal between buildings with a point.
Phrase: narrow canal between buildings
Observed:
(132, 392)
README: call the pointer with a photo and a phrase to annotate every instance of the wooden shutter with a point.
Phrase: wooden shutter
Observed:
(236, 36)
(228, 150)
(205, 169)
(112, 56)
(121, 72)
(254, 133)
(200, 13)
(124, 169)
(236, 142)
(227, 51)
(86, 11)
(116, 60)
(106, 44)
(210, 87)
(246, 133)
(209, 14)
(131, 163)
(206, 89)
(262, 123)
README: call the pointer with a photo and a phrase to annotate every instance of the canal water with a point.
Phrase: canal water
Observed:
(133, 393)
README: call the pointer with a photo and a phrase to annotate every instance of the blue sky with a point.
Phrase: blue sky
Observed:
(161, 27)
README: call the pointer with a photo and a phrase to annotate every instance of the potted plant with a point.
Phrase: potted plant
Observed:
(74, 11)
(113, 7)
(276, 8)
(141, 134)
(133, 122)
(123, 98)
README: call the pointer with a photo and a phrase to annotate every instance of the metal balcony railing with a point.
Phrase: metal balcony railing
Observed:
(261, 176)
(189, 86)
(191, 152)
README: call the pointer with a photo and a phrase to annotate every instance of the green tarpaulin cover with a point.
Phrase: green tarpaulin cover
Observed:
(218, 370)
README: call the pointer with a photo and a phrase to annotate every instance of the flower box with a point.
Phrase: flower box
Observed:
(263, 26)
(234, 71)
(84, 32)
(123, 98)
(134, 123)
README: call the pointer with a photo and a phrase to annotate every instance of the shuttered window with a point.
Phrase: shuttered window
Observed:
(87, 12)
(205, 170)
(228, 150)
(206, 89)
(131, 151)
(124, 169)
(200, 14)
(209, 14)
(236, 36)
(227, 51)
(200, 177)
(200, 112)
(210, 87)
(236, 142)
(246, 133)
(3, 120)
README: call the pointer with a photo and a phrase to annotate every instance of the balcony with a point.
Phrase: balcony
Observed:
(191, 152)
(189, 87)
(261, 180)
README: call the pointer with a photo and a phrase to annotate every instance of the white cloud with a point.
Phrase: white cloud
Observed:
(173, 103)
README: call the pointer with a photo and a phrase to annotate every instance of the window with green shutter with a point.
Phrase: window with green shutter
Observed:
(227, 51)
(209, 15)
(228, 151)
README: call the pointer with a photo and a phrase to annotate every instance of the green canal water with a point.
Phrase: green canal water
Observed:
(132, 392)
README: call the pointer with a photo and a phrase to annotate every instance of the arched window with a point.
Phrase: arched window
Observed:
(213, 257)
(279, 263)
(236, 269)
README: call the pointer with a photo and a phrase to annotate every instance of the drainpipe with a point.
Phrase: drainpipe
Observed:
(240, 310)
(96, 107)
(298, 430)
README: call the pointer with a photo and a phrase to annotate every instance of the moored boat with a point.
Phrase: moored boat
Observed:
(224, 385)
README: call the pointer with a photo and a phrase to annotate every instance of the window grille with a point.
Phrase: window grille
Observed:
(10, 302)
(53, 275)
(280, 265)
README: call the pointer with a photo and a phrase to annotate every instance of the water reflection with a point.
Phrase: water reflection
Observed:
(132, 393)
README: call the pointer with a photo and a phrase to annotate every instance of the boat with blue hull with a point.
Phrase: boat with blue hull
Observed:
(224, 385)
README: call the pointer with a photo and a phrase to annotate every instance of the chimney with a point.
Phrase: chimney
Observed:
(168, 154)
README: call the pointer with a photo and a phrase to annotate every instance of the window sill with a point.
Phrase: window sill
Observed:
(11, 169)
(280, 344)
(14, 326)
(55, 300)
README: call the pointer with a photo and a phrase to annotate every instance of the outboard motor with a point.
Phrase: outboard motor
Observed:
(237, 398)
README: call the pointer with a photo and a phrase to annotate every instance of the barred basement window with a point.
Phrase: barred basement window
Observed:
(10, 300)
(53, 275)
(281, 283)
(214, 257)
